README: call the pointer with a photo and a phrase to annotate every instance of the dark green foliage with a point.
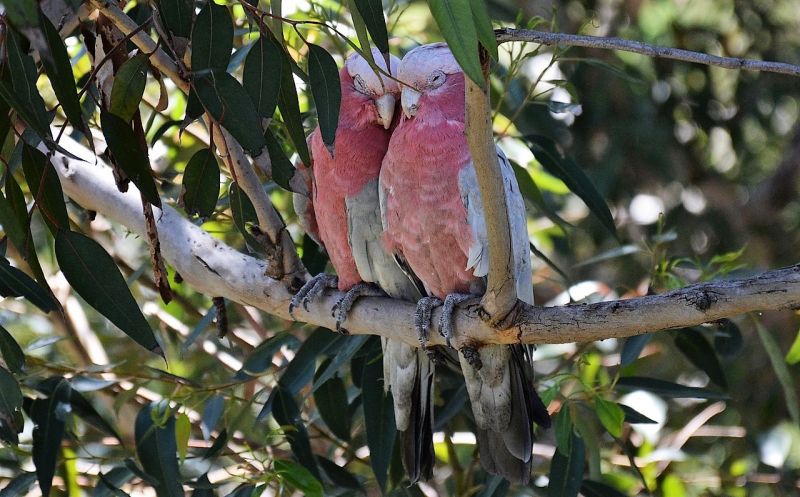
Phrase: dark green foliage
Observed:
(201, 183)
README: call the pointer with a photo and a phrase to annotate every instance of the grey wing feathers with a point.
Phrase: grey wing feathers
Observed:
(478, 256)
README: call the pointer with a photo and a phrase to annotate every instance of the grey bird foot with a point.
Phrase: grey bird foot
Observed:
(422, 318)
(472, 356)
(446, 325)
(312, 289)
(343, 306)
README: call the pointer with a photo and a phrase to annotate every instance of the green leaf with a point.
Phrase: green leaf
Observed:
(129, 154)
(92, 273)
(728, 340)
(163, 129)
(495, 486)
(287, 414)
(78, 406)
(260, 359)
(243, 213)
(11, 352)
(282, 168)
(338, 475)
(781, 371)
(129, 83)
(566, 470)
(330, 397)
(49, 416)
(45, 186)
(314, 257)
(228, 103)
(300, 371)
(378, 416)
(611, 416)
(590, 488)
(326, 90)
(360, 27)
(371, 12)
(667, 389)
(454, 18)
(59, 72)
(565, 169)
(157, 449)
(212, 39)
(18, 86)
(290, 110)
(299, 478)
(793, 356)
(176, 15)
(183, 431)
(483, 26)
(262, 75)
(633, 347)
(108, 484)
(563, 428)
(696, 348)
(201, 183)
(11, 422)
(632, 416)
(19, 485)
(203, 487)
(530, 192)
(352, 344)
(22, 13)
(14, 217)
(15, 282)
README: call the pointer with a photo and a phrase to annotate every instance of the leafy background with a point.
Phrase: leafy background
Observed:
(698, 165)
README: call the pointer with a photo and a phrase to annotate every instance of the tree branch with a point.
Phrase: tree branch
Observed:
(216, 269)
(608, 43)
(501, 295)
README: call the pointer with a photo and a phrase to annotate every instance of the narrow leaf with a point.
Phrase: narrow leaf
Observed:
(338, 475)
(18, 86)
(183, 431)
(129, 83)
(19, 284)
(201, 183)
(590, 488)
(372, 13)
(728, 341)
(565, 169)
(483, 26)
(243, 213)
(49, 416)
(157, 450)
(633, 347)
(19, 485)
(301, 369)
(352, 344)
(282, 168)
(176, 15)
(11, 352)
(667, 389)
(531, 192)
(360, 28)
(793, 356)
(260, 359)
(330, 397)
(45, 186)
(262, 75)
(14, 218)
(566, 470)
(633, 416)
(454, 18)
(129, 154)
(781, 372)
(299, 478)
(11, 422)
(326, 90)
(378, 418)
(212, 38)
(290, 110)
(287, 414)
(228, 103)
(92, 273)
(696, 348)
(59, 71)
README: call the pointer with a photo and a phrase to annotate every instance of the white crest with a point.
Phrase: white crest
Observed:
(358, 66)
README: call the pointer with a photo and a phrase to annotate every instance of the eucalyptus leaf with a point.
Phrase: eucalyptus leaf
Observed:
(298, 477)
(212, 39)
(287, 414)
(45, 187)
(20, 284)
(566, 470)
(455, 20)
(371, 12)
(696, 348)
(128, 88)
(176, 15)
(157, 449)
(379, 420)
(11, 422)
(11, 352)
(667, 389)
(326, 89)
(262, 75)
(201, 183)
(49, 417)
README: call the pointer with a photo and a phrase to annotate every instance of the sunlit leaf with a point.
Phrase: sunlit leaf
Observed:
(45, 187)
(157, 449)
(201, 183)
(130, 154)
(455, 20)
(262, 75)
(325, 88)
(360, 27)
(530, 192)
(299, 478)
(93, 274)
(212, 39)
(11, 422)
(183, 431)
(129, 83)
(793, 356)
(49, 416)
(483, 26)
(371, 11)
(611, 416)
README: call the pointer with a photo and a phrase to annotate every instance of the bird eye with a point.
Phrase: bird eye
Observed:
(360, 85)
(436, 79)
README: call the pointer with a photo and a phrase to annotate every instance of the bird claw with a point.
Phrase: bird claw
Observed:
(312, 289)
(472, 356)
(446, 324)
(341, 308)
(422, 318)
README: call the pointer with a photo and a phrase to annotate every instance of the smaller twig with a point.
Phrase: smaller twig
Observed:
(609, 43)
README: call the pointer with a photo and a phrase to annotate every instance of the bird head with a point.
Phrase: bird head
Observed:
(430, 74)
(374, 88)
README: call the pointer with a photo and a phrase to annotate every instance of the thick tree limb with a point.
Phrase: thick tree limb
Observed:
(608, 43)
(216, 269)
(501, 294)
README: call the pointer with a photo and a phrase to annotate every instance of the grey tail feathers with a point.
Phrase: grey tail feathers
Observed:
(417, 440)
(510, 453)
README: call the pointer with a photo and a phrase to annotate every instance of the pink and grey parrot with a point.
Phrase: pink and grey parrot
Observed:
(342, 212)
(433, 219)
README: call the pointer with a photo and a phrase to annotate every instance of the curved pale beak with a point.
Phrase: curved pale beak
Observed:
(409, 99)
(385, 105)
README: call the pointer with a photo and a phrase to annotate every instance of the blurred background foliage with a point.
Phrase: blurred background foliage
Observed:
(699, 166)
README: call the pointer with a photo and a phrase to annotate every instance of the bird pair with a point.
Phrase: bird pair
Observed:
(397, 206)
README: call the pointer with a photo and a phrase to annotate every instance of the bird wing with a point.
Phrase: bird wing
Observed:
(478, 254)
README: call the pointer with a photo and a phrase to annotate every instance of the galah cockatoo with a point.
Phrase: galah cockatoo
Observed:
(343, 214)
(433, 219)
